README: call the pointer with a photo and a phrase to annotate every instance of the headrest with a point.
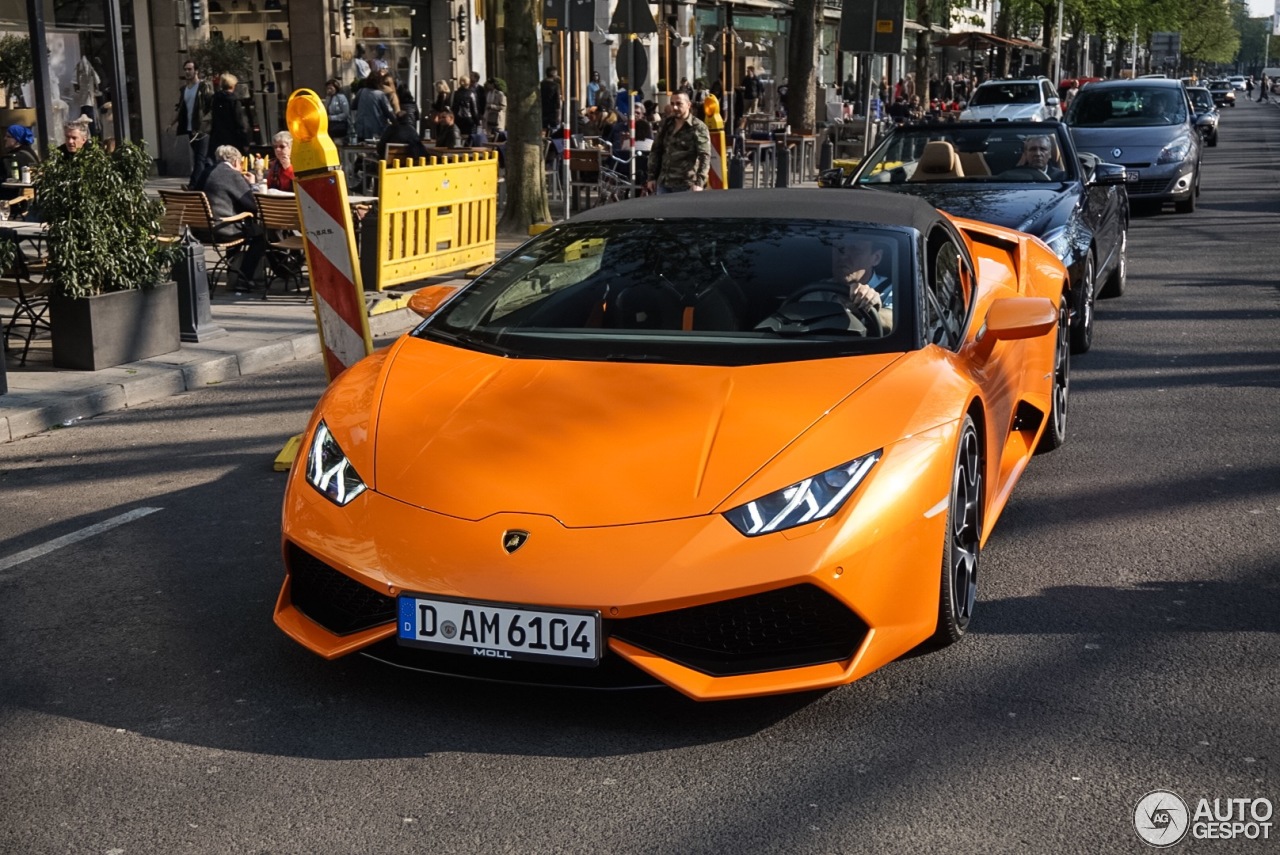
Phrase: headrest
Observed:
(939, 158)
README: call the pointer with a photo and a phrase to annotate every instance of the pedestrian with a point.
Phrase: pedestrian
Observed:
(443, 97)
(681, 155)
(466, 113)
(374, 110)
(191, 117)
(228, 124)
(495, 107)
(594, 89)
(339, 110)
(1264, 87)
(551, 98)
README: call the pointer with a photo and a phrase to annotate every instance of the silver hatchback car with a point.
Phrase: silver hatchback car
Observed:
(1148, 126)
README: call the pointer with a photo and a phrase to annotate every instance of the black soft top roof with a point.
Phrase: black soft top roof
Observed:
(786, 204)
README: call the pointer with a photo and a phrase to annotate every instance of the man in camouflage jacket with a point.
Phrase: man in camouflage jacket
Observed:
(681, 153)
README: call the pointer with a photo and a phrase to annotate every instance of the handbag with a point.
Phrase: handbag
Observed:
(275, 34)
(371, 31)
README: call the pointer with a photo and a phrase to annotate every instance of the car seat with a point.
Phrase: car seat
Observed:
(938, 162)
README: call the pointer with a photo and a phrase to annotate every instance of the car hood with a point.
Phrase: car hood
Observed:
(1034, 209)
(1136, 145)
(591, 443)
(993, 112)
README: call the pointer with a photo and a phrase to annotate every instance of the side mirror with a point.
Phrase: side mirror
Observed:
(831, 178)
(1012, 318)
(1106, 174)
(426, 300)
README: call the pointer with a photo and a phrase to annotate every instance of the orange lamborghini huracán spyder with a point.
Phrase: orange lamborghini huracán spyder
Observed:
(671, 441)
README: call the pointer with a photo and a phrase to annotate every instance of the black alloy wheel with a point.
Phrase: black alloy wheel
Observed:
(1085, 293)
(961, 548)
(1055, 431)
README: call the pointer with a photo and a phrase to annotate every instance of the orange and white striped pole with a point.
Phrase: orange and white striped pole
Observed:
(328, 235)
(718, 175)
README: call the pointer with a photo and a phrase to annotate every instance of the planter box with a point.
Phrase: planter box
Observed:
(112, 329)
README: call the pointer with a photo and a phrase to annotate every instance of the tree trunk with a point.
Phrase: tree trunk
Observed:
(924, 51)
(802, 68)
(526, 178)
(1049, 26)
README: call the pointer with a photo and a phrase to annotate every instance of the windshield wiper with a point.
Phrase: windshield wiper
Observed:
(470, 342)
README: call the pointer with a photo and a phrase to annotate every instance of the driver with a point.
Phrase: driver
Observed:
(853, 262)
(1038, 152)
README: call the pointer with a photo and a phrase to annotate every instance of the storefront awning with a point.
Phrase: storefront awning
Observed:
(982, 41)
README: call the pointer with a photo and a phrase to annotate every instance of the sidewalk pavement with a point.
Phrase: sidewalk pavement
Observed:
(261, 334)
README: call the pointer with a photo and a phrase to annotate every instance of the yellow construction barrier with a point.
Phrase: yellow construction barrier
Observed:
(436, 215)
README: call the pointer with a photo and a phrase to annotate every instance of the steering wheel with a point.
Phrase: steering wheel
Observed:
(837, 294)
(1024, 173)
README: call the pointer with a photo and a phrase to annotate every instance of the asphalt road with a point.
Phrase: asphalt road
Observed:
(1127, 637)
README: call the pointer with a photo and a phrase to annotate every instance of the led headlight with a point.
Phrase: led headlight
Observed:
(329, 471)
(1175, 151)
(812, 499)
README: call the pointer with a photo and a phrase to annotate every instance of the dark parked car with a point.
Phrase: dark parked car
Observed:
(1147, 126)
(1077, 205)
(1207, 114)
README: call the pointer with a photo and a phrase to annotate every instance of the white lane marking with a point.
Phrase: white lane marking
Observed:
(75, 537)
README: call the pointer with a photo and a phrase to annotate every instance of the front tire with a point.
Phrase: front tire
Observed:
(1082, 325)
(962, 545)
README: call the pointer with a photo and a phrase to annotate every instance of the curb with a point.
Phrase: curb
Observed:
(191, 367)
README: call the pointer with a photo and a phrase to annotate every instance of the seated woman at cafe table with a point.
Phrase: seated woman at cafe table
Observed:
(230, 194)
(19, 152)
(280, 172)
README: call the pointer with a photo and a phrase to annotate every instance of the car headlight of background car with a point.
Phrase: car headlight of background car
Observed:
(1175, 151)
(329, 471)
(809, 500)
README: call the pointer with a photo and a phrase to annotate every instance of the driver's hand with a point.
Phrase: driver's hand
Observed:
(863, 298)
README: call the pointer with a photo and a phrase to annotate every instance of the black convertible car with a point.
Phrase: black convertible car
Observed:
(1023, 175)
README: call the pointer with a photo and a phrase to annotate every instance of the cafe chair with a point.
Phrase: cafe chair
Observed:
(286, 257)
(196, 214)
(30, 299)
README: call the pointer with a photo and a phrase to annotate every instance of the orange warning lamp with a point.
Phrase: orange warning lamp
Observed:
(309, 125)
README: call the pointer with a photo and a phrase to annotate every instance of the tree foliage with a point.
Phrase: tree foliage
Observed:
(16, 67)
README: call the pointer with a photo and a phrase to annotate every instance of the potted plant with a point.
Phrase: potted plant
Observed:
(110, 303)
(16, 71)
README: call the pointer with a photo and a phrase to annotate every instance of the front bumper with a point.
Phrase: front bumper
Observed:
(689, 603)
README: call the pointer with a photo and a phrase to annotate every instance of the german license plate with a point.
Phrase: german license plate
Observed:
(500, 631)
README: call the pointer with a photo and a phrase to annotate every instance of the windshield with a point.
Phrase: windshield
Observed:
(1006, 93)
(989, 153)
(1131, 107)
(723, 292)
(1201, 99)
